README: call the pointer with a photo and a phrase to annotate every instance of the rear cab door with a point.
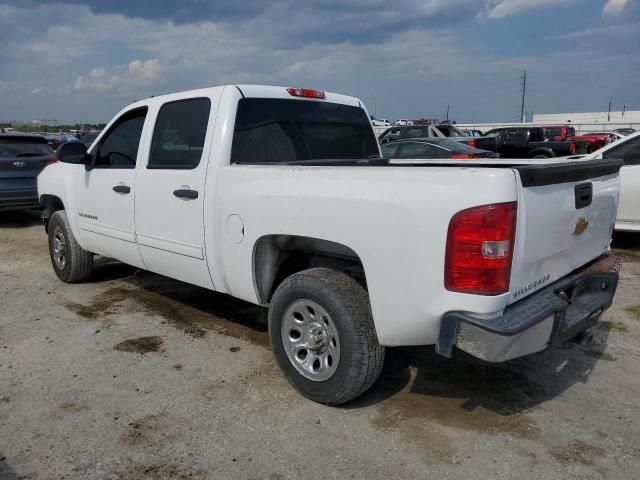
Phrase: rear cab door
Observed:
(171, 187)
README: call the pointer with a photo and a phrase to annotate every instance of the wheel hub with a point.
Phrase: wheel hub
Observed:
(311, 340)
(59, 248)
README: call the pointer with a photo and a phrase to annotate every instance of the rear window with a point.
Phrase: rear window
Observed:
(24, 147)
(271, 130)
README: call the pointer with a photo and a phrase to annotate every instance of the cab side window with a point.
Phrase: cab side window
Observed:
(628, 151)
(119, 147)
(178, 137)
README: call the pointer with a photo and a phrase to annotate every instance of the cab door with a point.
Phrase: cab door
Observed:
(171, 190)
(105, 195)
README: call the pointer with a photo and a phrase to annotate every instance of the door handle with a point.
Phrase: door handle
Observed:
(122, 189)
(185, 193)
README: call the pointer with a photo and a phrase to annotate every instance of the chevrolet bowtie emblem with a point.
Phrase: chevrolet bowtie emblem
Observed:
(19, 164)
(581, 226)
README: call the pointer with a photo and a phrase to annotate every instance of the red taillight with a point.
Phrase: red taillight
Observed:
(462, 156)
(305, 92)
(572, 149)
(480, 248)
(49, 161)
(471, 143)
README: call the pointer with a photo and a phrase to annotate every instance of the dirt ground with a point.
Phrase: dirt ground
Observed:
(136, 376)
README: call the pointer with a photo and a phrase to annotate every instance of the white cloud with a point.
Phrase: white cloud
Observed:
(137, 74)
(496, 9)
(615, 7)
(91, 64)
(148, 71)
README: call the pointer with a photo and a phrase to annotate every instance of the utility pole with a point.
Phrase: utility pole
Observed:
(609, 112)
(523, 89)
(447, 113)
(375, 107)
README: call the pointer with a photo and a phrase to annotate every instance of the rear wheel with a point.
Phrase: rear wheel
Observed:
(69, 260)
(323, 337)
(540, 155)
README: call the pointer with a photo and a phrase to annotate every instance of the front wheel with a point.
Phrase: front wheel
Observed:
(69, 260)
(322, 335)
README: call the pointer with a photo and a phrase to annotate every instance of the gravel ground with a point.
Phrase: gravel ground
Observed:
(136, 376)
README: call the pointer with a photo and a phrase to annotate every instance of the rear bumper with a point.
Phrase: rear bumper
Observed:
(549, 317)
(18, 197)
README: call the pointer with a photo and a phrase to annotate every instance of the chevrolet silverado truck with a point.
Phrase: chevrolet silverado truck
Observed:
(279, 196)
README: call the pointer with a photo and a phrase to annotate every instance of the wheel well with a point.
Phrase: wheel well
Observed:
(542, 151)
(276, 257)
(51, 204)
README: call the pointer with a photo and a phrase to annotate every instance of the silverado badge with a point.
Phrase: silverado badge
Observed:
(581, 226)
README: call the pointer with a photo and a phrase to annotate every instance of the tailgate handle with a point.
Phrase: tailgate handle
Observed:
(584, 194)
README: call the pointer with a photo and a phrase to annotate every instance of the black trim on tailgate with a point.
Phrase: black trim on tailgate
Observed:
(545, 174)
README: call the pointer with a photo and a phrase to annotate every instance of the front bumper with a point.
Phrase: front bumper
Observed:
(549, 317)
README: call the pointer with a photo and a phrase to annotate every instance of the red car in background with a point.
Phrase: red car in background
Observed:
(595, 141)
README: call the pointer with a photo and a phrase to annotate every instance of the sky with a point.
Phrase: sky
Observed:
(83, 60)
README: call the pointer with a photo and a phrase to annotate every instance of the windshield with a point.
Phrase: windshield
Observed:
(271, 130)
(24, 147)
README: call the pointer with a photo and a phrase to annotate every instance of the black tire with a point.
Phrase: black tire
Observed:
(347, 303)
(541, 155)
(78, 263)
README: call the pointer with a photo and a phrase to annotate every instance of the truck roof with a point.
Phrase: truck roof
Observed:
(253, 91)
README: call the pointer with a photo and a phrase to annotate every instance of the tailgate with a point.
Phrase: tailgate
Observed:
(566, 214)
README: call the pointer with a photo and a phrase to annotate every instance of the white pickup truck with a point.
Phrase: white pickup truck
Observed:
(278, 196)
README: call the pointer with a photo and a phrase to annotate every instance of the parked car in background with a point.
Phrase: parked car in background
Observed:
(424, 131)
(527, 142)
(628, 150)
(433, 148)
(67, 138)
(52, 139)
(278, 196)
(87, 138)
(594, 141)
(473, 133)
(625, 131)
(409, 131)
(449, 130)
(610, 137)
(404, 121)
(22, 158)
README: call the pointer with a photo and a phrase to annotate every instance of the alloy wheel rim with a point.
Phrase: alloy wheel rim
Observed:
(59, 248)
(311, 340)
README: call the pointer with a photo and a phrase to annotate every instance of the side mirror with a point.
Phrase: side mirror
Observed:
(72, 152)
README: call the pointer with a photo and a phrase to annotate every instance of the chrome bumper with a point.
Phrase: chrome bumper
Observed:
(549, 317)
